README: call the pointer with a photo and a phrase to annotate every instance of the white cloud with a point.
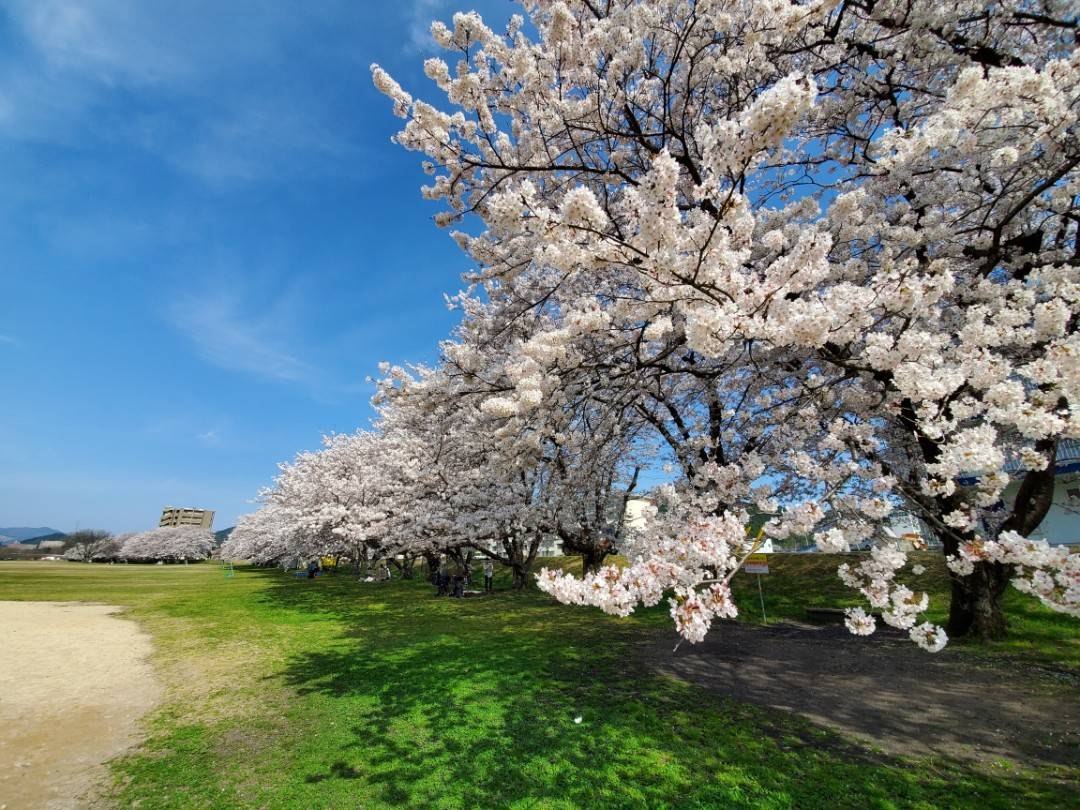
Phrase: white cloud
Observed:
(132, 42)
(209, 437)
(421, 14)
(256, 138)
(238, 341)
(208, 87)
(274, 325)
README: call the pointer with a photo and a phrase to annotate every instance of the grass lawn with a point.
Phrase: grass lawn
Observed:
(289, 693)
(1037, 633)
(798, 581)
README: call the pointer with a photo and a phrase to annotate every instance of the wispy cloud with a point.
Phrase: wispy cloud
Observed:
(207, 88)
(11, 341)
(209, 437)
(421, 14)
(236, 340)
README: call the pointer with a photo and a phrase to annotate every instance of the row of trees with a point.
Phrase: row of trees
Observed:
(439, 476)
(817, 260)
(166, 544)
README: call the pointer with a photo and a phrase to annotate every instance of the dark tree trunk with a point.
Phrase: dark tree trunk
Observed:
(432, 561)
(592, 558)
(975, 610)
(462, 558)
(591, 548)
(975, 601)
(521, 575)
(404, 566)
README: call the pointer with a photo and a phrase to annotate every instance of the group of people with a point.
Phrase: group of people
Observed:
(447, 584)
(454, 585)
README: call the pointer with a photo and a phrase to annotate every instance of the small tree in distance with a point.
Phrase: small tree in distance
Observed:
(82, 544)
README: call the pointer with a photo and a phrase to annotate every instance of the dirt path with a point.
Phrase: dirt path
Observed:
(884, 692)
(74, 681)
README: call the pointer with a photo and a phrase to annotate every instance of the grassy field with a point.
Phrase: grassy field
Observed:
(1036, 633)
(289, 693)
(798, 581)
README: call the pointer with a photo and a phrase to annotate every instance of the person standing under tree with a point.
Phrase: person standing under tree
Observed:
(489, 572)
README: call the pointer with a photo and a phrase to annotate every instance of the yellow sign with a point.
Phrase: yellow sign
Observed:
(756, 564)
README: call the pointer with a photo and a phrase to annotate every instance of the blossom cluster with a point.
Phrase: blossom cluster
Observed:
(875, 578)
(693, 560)
(1048, 572)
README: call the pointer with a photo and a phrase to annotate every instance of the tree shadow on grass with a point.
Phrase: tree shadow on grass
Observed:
(339, 770)
(473, 703)
(886, 691)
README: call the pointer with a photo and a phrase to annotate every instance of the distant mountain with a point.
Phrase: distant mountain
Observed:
(53, 536)
(223, 535)
(19, 534)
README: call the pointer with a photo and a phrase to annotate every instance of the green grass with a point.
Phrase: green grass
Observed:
(289, 693)
(797, 581)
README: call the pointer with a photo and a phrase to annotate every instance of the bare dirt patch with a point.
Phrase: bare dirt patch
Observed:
(74, 681)
(887, 694)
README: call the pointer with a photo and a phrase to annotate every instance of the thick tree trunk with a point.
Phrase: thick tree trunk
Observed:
(592, 558)
(591, 548)
(521, 575)
(975, 610)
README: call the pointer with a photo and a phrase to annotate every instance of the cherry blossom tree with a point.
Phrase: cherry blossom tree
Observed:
(862, 215)
(88, 545)
(263, 537)
(169, 544)
(106, 550)
(486, 482)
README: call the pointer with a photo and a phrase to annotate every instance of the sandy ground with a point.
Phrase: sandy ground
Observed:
(74, 682)
(884, 693)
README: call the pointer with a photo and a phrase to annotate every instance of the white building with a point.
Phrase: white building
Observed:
(1061, 526)
(187, 516)
(550, 546)
(634, 517)
(1062, 523)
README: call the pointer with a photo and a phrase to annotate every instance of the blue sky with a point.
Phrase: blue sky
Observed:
(207, 242)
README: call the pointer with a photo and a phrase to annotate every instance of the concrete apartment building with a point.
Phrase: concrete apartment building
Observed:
(181, 516)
